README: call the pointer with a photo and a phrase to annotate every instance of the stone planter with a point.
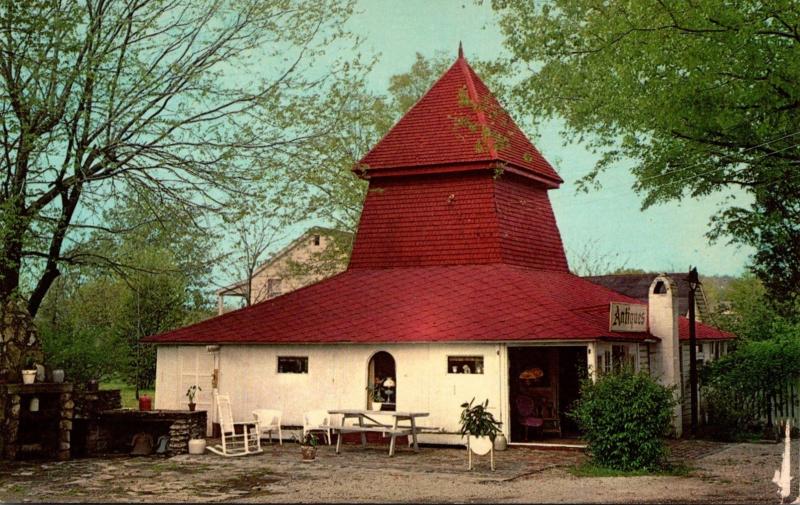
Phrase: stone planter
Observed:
(28, 376)
(197, 446)
(309, 452)
(500, 442)
(58, 376)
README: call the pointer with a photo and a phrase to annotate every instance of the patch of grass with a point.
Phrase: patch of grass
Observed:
(17, 489)
(589, 469)
(128, 393)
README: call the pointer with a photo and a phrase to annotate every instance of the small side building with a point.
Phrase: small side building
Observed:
(637, 286)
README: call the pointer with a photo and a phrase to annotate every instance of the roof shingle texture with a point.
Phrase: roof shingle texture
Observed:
(457, 121)
(456, 219)
(466, 303)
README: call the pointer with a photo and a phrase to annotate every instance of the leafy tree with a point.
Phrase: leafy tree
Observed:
(703, 95)
(92, 327)
(80, 328)
(104, 100)
(151, 279)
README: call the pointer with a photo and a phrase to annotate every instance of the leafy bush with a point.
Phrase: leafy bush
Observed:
(83, 355)
(740, 388)
(729, 418)
(624, 417)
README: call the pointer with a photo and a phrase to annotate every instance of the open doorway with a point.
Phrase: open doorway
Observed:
(381, 385)
(544, 382)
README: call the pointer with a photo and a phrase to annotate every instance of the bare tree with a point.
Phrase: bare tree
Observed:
(256, 235)
(178, 98)
(591, 260)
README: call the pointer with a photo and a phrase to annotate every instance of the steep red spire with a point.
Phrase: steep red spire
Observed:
(458, 124)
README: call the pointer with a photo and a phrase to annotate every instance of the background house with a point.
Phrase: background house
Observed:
(636, 286)
(316, 254)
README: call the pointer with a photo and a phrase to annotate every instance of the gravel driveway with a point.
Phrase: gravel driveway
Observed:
(739, 473)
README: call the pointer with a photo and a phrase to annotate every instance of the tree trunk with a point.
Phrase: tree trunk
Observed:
(20, 340)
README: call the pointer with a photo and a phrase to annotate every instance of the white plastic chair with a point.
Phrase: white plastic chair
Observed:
(317, 420)
(235, 444)
(269, 420)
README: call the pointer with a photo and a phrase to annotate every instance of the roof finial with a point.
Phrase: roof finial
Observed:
(460, 50)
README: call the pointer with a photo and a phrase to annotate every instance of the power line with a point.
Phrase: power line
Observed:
(683, 169)
(613, 194)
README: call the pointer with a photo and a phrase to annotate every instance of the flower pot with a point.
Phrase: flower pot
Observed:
(500, 442)
(58, 376)
(28, 376)
(377, 405)
(480, 445)
(197, 446)
(309, 452)
(192, 406)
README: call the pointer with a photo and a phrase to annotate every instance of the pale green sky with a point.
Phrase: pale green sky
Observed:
(669, 237)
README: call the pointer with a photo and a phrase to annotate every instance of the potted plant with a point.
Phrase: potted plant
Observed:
(480, 426)
(308, 446)
(190, 393)
(29, 371)
(375, 395)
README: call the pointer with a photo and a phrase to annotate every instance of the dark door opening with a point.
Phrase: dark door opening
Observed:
(544, 382)
(382, 385)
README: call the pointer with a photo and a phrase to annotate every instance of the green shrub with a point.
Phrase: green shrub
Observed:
(729, 418)
(624, 417)
(741, 388)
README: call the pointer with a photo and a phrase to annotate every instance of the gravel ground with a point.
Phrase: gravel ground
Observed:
(738, 473)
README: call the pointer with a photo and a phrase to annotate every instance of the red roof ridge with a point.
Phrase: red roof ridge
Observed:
(475, 101)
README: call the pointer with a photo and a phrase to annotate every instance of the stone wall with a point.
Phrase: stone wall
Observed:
(113, 430)
(90, 403)
(184, 429)
(43, 433)
(19, 341)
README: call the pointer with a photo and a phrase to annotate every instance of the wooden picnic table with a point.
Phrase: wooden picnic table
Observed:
(368, 424)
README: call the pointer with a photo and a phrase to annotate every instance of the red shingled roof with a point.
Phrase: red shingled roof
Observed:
(458, 121)
(446, 250)
(457, 219)
(467, 303)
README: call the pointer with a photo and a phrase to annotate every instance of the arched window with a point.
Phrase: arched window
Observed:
(382, 385)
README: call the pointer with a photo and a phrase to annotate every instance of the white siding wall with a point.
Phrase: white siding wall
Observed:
(337, 378)
(177, 369)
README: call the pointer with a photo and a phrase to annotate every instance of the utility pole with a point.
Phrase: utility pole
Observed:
(694, 281)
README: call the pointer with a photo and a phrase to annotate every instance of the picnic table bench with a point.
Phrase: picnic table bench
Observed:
(368, 424)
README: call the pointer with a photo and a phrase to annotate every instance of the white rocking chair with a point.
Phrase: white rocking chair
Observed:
(235, 444)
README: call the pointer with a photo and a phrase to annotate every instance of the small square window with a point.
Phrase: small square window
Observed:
(292, 364)
(465, 364)
(273, 287)
(316, 239)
